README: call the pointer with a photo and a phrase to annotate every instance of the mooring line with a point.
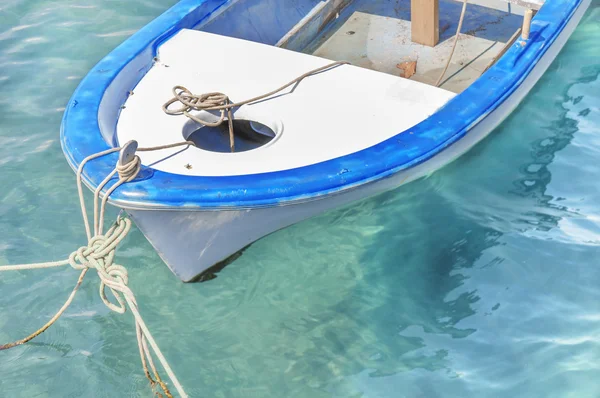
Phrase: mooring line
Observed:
(99, 254)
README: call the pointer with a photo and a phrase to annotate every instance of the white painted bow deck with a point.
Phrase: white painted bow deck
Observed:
(328, 115)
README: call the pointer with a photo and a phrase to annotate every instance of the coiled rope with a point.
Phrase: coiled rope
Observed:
(221, 102)
(99, 254)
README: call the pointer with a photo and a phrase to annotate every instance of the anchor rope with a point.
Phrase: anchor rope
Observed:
(99, 254)
(220, 102)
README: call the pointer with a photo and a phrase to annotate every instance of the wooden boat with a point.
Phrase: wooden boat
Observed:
(335, 137)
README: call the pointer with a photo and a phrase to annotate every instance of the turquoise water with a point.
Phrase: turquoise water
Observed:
(481, 280)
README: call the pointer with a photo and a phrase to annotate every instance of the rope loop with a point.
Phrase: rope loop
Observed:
(128, 171)
(115, 278)
(216, 101)
(191, 101)
(203, 102)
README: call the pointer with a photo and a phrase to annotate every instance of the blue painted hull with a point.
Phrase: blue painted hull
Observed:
(91, 116)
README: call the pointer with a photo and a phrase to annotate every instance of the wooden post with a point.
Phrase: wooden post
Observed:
(425, 21)
(527, 24)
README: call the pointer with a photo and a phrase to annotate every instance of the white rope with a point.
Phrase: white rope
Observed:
(22, 267)
(99, 254)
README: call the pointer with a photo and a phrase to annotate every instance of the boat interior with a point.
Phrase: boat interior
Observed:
(393, 85)
(379, 34)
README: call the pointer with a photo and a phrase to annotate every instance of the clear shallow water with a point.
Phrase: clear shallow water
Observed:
(479, 281)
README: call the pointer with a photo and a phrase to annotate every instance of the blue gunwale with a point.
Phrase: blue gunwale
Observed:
(81, 134)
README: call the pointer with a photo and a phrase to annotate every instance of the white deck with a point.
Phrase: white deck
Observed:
(329, 115)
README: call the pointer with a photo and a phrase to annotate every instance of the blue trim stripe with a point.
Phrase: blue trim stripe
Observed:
(95, 105)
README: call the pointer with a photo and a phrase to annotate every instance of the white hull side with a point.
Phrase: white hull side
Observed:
(190, 242)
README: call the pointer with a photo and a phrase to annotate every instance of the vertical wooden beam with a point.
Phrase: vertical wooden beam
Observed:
(425, 21)
(527, 24)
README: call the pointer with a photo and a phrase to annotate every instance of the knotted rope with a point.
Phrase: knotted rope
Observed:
(221, 102)
(99, 254)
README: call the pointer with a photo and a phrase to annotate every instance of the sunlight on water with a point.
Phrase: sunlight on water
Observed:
(479, 281)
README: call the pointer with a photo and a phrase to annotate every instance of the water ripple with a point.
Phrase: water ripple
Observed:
(478, 281)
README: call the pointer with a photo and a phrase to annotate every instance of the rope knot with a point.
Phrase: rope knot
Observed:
(190, 101)
(100, 250)
(203, 102)
(99, 254)
(128, 171)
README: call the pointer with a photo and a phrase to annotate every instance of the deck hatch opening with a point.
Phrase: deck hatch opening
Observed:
(249, 135)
